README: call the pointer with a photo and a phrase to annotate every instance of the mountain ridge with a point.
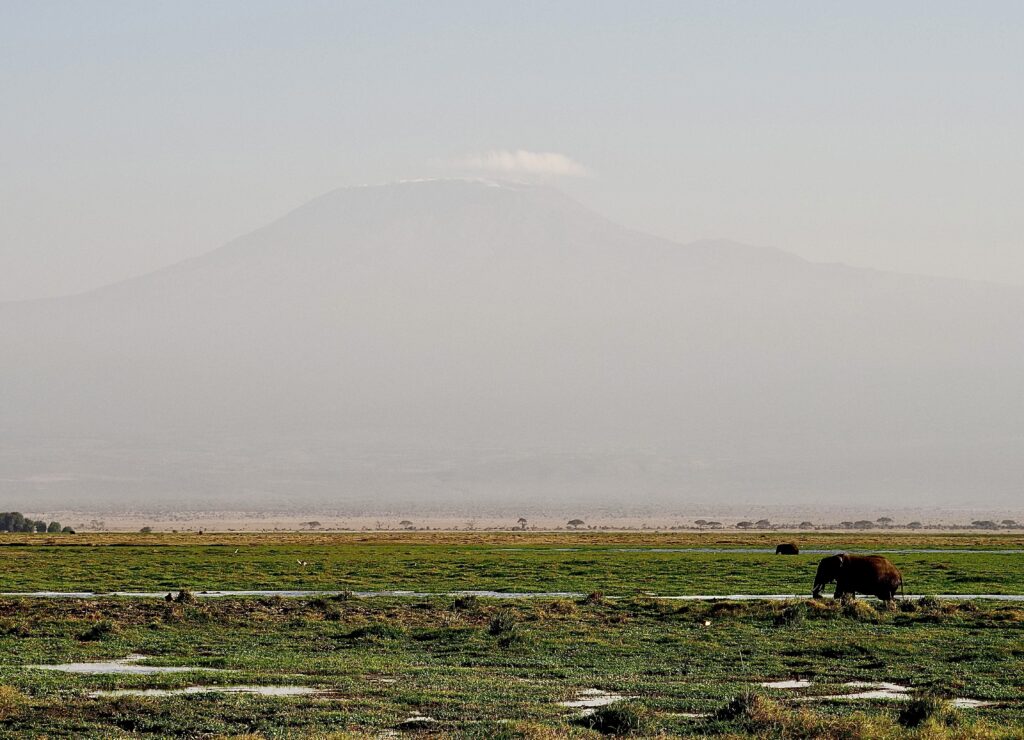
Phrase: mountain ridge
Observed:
(723, 244)
(398, 326)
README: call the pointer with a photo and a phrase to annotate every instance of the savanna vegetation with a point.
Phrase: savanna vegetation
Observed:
(615, 564)
(466, 666)
(15, 521)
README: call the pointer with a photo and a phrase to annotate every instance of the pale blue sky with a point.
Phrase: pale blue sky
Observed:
(133, 134)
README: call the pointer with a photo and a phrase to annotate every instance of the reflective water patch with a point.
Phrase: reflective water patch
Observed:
(124, 666)
(871, 690)
(592, 699)
(795, 684)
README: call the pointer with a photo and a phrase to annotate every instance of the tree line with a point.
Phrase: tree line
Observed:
(15, 521)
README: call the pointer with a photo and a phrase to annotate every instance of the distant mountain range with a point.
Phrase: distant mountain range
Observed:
(459, 345)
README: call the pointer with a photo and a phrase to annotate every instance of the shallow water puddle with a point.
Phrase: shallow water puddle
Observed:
(963, 703)
(591, 699)
(796, 684)
(881, 690)
(255, 690)
(124, 666)
(893, 692)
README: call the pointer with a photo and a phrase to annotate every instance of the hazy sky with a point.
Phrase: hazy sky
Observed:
(133, 134)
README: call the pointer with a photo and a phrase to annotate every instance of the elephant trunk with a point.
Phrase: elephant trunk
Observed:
(821, 579)
(825, 574)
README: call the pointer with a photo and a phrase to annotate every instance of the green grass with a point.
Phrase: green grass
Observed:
(447, 567)
(495, 669)
(454, 666)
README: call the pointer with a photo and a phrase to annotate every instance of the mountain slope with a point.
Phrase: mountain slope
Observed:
(451, 341)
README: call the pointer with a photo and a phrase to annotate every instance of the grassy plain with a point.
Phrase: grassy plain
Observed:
(616, 564)
(492, 668)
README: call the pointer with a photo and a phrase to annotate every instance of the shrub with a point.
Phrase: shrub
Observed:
(792, 615)
(502, 623)
(720, 609)
(860, 610)
(928, 708)
(98, 631)
(562, 606)
(465, 603)
(12, 702)
(185, 597)
(751, 708)
(822, 609)
(620, 718)
(13, 628)
(759, 716)
(595, 598)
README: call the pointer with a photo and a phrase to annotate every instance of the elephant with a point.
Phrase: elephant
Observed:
(787, 548)
(867, 574)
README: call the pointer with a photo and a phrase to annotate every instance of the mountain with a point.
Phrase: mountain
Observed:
(458, 345)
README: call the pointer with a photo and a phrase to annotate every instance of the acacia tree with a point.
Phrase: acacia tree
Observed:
(522, 522)
(576, 523)
(15, 521)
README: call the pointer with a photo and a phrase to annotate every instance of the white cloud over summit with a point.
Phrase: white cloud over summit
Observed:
(522, 161)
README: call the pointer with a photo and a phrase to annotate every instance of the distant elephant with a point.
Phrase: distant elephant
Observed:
(787, 548)
(866, 574)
